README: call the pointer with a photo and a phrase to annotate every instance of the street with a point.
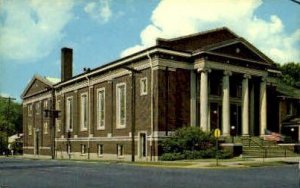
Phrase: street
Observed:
(43, 173)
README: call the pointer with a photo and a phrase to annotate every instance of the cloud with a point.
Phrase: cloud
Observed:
(29, 29)
(99, 10)
(173, 18)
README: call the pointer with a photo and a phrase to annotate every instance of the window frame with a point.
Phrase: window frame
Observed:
(29, 110)
(119, 124)
(142, 86)
(99, 118)
(69, 117)
(29, 129)
(84, 111)
(45, 127)
(120, 150)
(83, 149)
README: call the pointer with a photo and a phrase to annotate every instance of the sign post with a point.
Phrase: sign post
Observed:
(217, 134)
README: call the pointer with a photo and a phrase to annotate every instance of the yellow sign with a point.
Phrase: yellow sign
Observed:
(217, 133)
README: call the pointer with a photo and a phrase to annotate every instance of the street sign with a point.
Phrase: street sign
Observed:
(217, 133)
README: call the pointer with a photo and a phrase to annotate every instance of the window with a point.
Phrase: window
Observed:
(46, 127)
(37, 108)
(30, 110)
(58, 105)
(69, 114)
(120, 150)
(121, 105)
(46, 104)
(69, 149)
(100, 149)
(83, 149)
(143, 84)
(29, 129)
(101, 109)
(84, 111)
(58, 124)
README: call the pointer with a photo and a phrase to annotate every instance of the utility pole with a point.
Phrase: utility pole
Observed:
(8, 116)
(133, 72)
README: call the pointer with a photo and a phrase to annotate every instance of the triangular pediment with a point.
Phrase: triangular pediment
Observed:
(36, 85)
(240, 49)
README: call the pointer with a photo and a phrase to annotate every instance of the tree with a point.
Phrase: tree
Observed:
(10, 121)
(290, 73)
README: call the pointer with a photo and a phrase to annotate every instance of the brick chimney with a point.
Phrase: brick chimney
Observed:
(66, 64)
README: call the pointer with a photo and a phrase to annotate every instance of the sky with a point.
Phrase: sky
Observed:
(32, 32)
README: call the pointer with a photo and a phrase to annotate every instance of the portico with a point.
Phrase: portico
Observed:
(226, 97)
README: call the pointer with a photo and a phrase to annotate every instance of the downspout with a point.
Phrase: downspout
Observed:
(89, 116)
(151, 107)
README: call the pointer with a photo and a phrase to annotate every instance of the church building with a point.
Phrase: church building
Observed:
(122, 110)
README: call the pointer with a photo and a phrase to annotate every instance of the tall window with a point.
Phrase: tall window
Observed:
(83, 149)
(100, 149)
(37, 108)
(46, 104)
(101, 108)
(30, 110)
(29, 129)
(121, 105)
(57, 121)
(120, 150)
(143, 84)
(46, 127)
(84, 111)
(69, 114)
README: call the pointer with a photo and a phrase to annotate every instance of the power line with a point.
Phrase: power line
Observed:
(296, 1)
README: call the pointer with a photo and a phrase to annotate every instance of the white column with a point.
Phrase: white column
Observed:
(252, 104)
(263, 106)
(226, 104)
(193, 98)
(245, 105)
(204, 99)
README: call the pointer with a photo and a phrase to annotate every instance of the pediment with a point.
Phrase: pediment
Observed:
(240, 49)
(36, 85)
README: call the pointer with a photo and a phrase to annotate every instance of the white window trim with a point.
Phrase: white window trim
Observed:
(83, 149)
(118, 109)
(82, 128)
(37, 107)
(98, 109)
(29, 110)
(45, 127)
(58, 124)
(120, 150)
(67, 122)
(46, 103)
(141, 84)
(29, 129)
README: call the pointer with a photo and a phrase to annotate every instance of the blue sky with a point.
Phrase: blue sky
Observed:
(33, 32)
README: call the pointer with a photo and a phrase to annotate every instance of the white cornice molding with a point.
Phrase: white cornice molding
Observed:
(36, 98)
(238, 69)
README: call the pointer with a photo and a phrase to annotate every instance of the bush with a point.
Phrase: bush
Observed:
(171, 156)
(190, 143)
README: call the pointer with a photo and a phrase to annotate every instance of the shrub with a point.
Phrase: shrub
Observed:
(171, 156)
(190, 143)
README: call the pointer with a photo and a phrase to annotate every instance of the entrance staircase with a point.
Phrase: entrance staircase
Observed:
(256, 147)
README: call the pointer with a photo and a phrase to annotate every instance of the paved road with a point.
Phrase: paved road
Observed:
(38, 173)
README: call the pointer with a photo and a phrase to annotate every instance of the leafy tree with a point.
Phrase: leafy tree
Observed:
(291, 73)
(10, 120)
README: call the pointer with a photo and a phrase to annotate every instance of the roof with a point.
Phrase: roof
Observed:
(49, 81)
(186, 46)
(287, 91)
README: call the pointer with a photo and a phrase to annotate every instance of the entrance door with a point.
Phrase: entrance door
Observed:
(235, 119)
(143, 145)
